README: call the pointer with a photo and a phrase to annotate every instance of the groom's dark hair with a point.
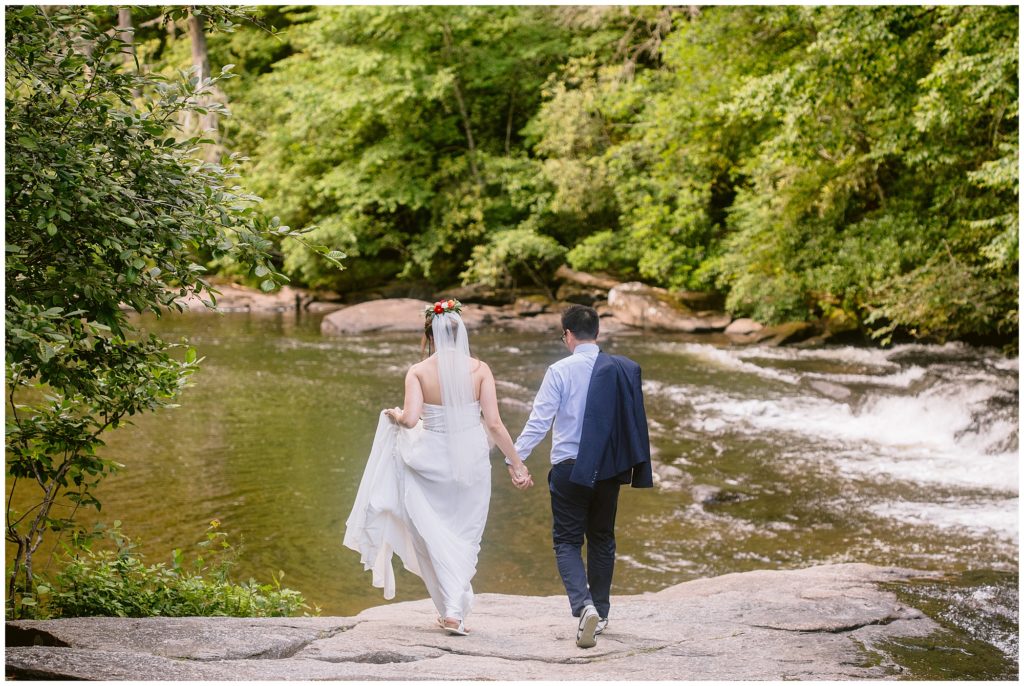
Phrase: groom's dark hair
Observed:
(582, 321)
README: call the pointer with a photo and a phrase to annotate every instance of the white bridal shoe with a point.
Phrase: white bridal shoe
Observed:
(459, 630)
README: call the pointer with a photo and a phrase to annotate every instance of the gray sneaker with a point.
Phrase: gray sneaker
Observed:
(602, 624)
(588, 625)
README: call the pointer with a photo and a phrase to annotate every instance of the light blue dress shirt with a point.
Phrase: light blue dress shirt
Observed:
(562, 399)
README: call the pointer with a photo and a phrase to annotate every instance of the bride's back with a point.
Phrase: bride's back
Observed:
(430, 385)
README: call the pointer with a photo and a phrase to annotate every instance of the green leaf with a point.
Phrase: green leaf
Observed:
(268, 285)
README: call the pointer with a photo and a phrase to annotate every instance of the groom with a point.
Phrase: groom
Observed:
(599, 441)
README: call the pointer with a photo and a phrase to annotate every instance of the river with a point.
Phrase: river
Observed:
(768, 458)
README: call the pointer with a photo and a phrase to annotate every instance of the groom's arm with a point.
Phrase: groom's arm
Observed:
(545, 405)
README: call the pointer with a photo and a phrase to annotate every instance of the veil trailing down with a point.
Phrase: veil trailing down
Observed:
(425, 492)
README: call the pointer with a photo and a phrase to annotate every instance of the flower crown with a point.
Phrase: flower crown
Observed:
(441, 307)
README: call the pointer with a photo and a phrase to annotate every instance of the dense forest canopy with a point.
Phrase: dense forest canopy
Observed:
(854, 162)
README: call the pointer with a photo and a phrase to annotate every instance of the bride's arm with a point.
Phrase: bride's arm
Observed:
(410, 413)
(495, 427)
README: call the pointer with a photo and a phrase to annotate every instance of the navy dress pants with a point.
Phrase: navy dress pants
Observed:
(580, 513)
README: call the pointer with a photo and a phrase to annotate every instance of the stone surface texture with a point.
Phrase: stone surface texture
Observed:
(393, 314)
(656, 309)
(820, 623)
(743, 327)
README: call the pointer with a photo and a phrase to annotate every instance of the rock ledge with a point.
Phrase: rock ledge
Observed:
(819, 623)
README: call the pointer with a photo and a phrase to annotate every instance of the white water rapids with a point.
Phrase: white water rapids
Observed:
(945, 418)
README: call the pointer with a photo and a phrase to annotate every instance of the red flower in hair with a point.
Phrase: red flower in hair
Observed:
(441, 307)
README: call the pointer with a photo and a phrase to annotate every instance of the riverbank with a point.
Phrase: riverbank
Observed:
(820, 623)
(623, 307)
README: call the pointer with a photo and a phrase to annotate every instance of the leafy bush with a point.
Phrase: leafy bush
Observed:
(510, 256)
(115, 581)
(605, 251)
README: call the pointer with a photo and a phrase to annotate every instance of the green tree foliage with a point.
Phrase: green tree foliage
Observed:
(805, 160)
(401, 134)
(802, 160)
(396, 131)
(883, 185)
(107, 209)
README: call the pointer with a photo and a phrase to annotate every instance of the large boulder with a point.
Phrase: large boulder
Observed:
(403, 315)
(656, 309)
(834, 622)
(398, 314)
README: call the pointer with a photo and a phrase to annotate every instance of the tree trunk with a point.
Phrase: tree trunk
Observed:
(206, 123)
(200, 56)
(124, 25)
(508, 123)
(463, 112)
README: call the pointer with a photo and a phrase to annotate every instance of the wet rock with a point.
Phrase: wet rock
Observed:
(580, 295)
(656, 309)
(783, 334)
(814, 341)
(743, 327)
(531, 305)
(399, 314)
(477, 316)
(318, 307)
(834, 391)
(547, 322)
(821, 623)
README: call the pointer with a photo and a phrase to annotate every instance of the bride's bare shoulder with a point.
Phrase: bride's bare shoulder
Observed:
(420, 367)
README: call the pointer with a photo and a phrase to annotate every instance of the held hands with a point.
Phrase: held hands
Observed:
(521, 478)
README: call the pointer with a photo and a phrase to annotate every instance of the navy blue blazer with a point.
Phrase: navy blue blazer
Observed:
(614, 440)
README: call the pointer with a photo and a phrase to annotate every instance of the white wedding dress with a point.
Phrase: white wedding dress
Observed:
(425, 492)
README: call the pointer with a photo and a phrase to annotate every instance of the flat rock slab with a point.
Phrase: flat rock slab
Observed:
(819, 623)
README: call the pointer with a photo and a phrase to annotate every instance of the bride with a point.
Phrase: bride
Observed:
(427, 485)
